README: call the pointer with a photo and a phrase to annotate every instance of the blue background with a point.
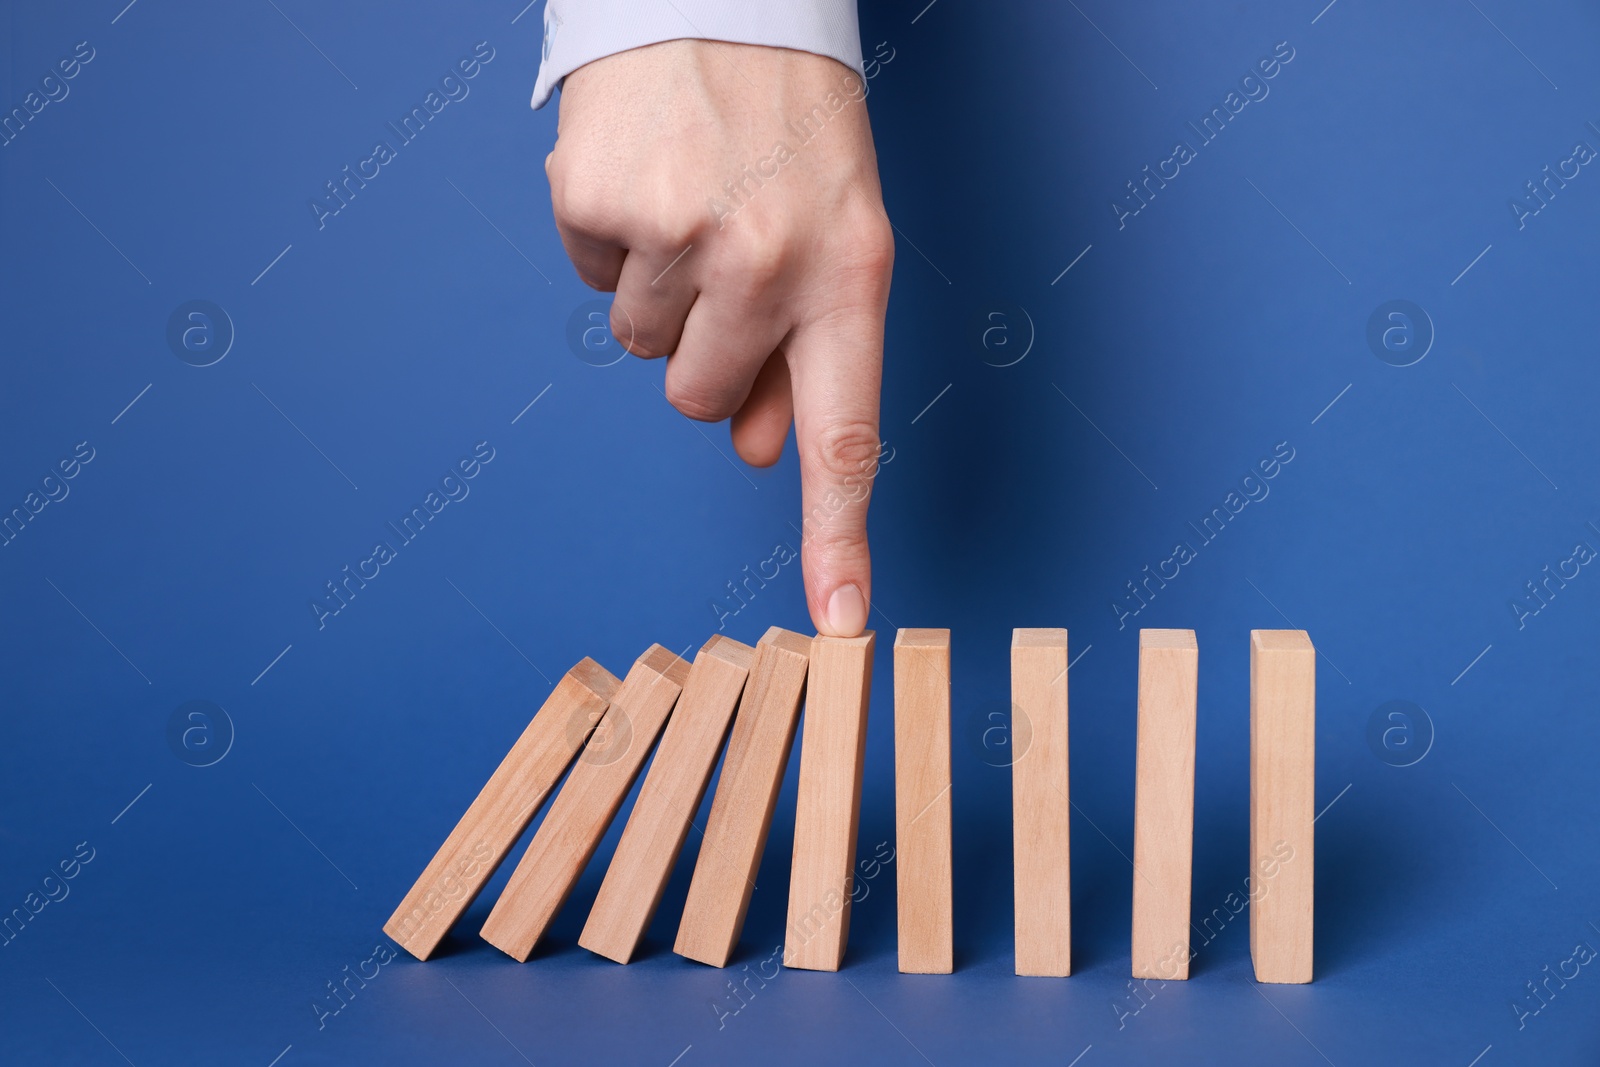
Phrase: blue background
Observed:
(1178, 351)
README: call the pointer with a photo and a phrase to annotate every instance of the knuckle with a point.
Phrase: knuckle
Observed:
(753, 263)
(846, 450)
(872, 240)
(581, 206)
(696, 403)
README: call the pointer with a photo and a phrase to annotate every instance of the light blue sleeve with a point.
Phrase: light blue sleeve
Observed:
(580, 31)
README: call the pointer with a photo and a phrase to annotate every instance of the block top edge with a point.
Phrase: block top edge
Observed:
(666, 663)
(595, 678)
(788, 640)
(1040, 637)
(1281, 640)
(915, 637)
(728, 650)
(1179, 639)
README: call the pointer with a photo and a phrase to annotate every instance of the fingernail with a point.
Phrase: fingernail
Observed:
(847, 611)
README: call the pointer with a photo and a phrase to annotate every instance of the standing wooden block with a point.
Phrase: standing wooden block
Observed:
(1040, 810)
(922, 800)
(584, 808)
(668, 800)
(503, 809)
(1283, 760)
(747, 793)
(1163, 819)
(828, 805)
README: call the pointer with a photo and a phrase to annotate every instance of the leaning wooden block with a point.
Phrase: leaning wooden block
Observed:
(828, 805)
(747, 793)
(1163, 818)
(668, 800)
(582, 811)
(503, 809)
(1283, 746)
(1040, 811)
(922, 800)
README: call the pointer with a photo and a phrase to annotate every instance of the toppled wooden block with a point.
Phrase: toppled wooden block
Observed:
(747, 793)
(583, 810)
(828, 804)
(503, 809)
(668, 800)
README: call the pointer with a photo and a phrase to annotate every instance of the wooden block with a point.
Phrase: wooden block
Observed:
(1283, 763)
(828, 805)
(504, 807)
(668, 800)
(747, 792)
(922, 800)
(1163, 819)
(1040, 810)
(583, 810)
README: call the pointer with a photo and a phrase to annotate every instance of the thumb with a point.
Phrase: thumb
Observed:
(836, 367)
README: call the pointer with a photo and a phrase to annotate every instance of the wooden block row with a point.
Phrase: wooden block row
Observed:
(611, 727)
(583, 810)
(668, 800)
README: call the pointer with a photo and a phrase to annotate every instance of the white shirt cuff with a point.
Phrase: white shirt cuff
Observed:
(580, 31)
